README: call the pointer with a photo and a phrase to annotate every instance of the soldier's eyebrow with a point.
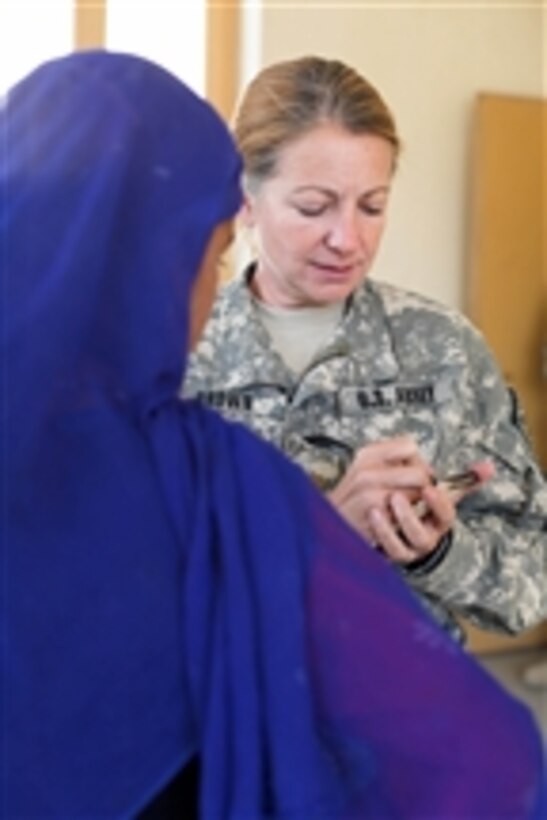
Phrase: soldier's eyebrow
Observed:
(380, 189)
(316, 189)
(331, 194)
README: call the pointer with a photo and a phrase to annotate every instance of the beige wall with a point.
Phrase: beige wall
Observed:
(429, 59)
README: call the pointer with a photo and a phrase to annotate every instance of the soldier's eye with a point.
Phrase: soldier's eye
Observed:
(312, 210)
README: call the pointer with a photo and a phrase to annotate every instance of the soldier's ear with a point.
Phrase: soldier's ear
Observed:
(247, 213)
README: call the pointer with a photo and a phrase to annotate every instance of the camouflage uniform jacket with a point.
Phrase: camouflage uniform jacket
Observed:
(396, 364)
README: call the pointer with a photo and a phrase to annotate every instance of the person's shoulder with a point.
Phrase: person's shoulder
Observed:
(404, 307)
(398, 300)
(229, 298)
(228, 315)
(424, 329)
(219, 347)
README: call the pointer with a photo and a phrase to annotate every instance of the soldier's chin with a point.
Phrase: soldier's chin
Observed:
(330, 292)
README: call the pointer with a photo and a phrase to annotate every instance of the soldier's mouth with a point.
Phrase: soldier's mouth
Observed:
(340, 271)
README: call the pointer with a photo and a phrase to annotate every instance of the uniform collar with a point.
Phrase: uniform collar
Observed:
(258, 361)
(364, 337)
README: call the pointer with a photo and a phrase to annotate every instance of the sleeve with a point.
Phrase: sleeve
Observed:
(495, 572)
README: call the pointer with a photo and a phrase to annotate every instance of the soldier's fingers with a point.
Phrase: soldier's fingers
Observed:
(440, 505)
(392, 450)
(361, 480)
(354, 505)
(421, 535)
(356, 516)
(386, 536)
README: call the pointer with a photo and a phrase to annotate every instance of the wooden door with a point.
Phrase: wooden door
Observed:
(507, 286)
(507, 282)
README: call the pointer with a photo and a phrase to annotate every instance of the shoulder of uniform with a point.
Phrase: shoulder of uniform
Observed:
(228, 302)
(230, 291)
(226, 322)
(396, 299)
(400, 301)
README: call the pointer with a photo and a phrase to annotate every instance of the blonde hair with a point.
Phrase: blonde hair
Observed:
(288, 99)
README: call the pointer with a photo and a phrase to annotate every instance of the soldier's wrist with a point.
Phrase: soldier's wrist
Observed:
(429, 562)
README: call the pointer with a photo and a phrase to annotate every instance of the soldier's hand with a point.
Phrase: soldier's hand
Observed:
(403, 534)
(376, 472)
(408, 531)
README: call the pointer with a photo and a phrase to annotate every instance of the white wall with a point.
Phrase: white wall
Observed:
(170, 33)
(429, 60)
(31, 33)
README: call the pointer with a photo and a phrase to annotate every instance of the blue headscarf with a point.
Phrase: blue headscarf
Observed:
(171, 586)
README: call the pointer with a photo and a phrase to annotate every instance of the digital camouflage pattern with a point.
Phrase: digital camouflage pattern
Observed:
(398, 363)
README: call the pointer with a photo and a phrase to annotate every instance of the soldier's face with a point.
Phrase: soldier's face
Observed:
(319, 219)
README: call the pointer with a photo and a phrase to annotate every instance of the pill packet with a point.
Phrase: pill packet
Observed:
(454, 482)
